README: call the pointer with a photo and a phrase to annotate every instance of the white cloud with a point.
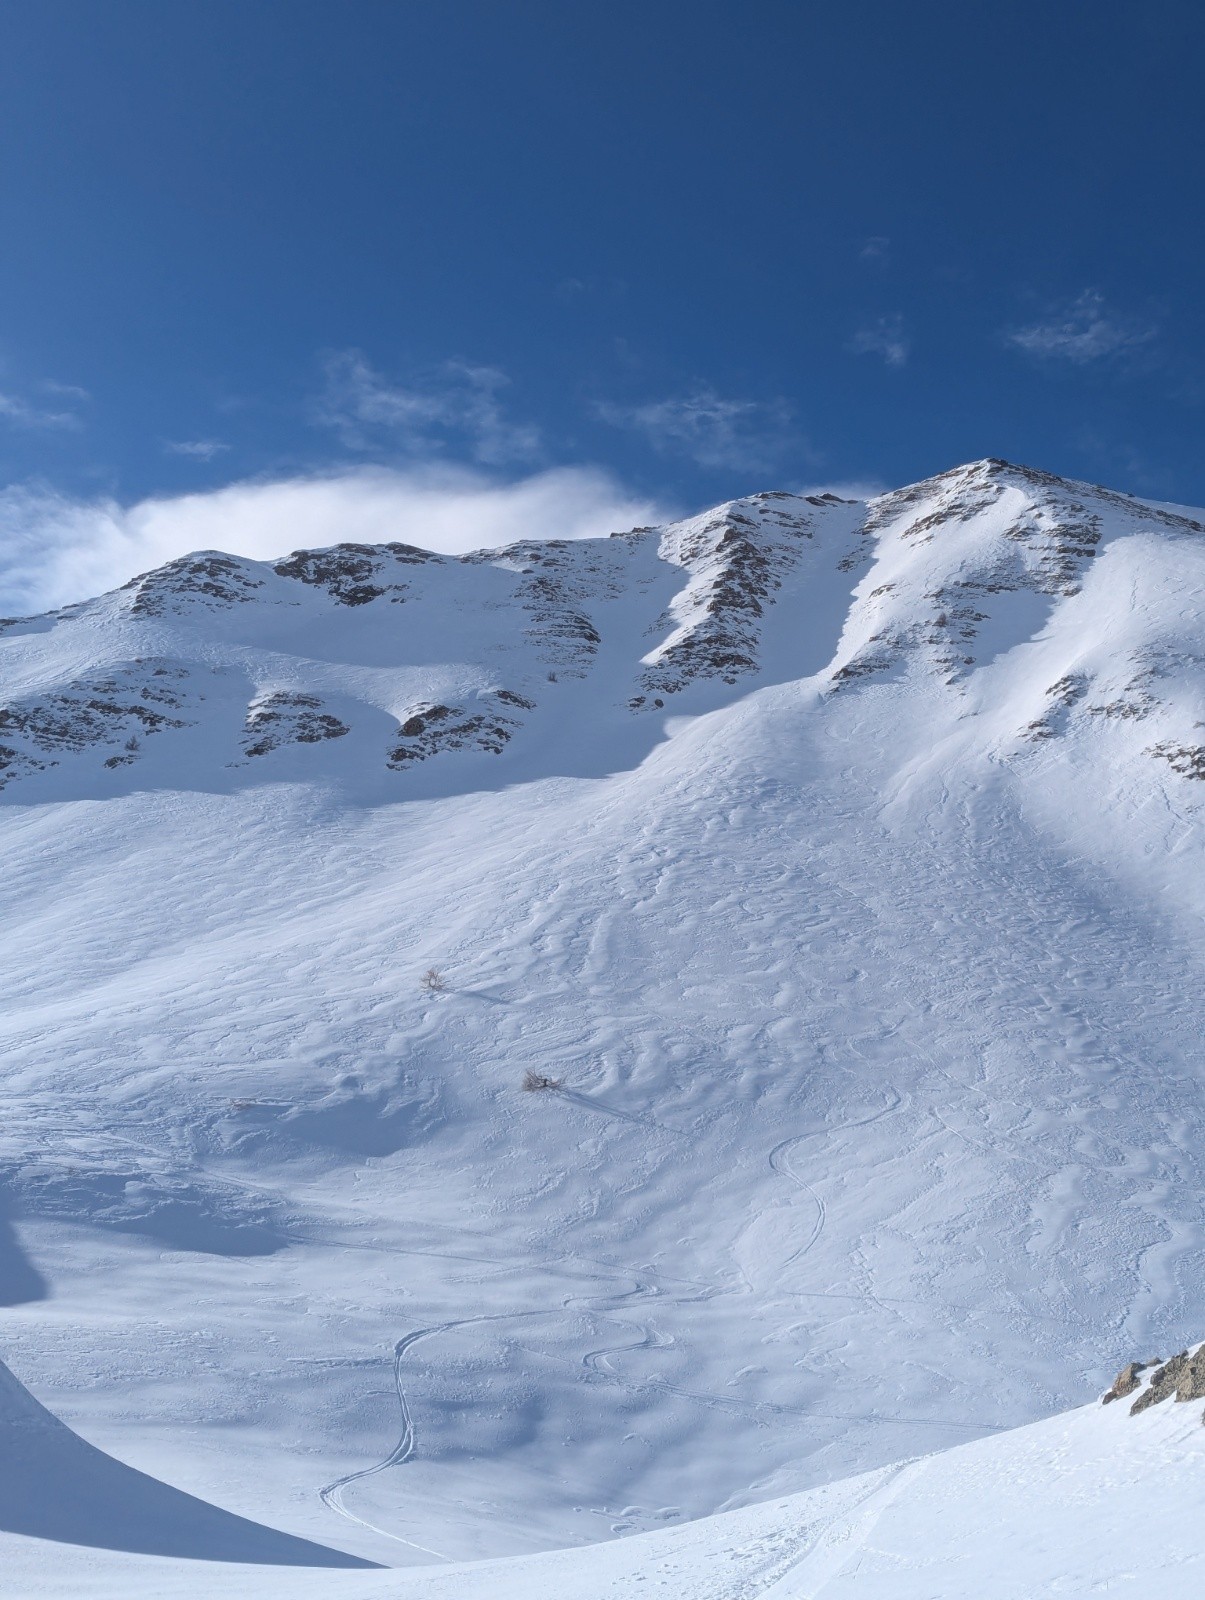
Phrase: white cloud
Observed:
(457, 404)
(198, 449)
(875, 248)
(54, 549)
(749, 435)
(885, 338)
(1082, 331)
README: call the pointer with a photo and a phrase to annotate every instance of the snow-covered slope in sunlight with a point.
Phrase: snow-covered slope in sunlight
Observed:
(840, 861)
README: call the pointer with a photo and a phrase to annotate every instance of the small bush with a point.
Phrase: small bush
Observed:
(532, 1081)
(433, 980)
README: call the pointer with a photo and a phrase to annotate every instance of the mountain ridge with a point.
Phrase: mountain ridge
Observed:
(699, 605)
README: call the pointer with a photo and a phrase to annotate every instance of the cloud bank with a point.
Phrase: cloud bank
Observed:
(54, 549)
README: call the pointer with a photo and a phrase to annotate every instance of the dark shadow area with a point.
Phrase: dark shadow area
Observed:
(53, 1485)
(182, 1215)
(20, 1280)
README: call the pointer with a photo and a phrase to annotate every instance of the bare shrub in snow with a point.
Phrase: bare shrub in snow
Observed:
(433, 980)
(532, 1081)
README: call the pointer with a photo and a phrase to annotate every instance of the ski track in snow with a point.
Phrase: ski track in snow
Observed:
(332, 1494)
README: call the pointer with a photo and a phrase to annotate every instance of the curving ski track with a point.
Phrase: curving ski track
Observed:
(780, 1164)
(332, 1495)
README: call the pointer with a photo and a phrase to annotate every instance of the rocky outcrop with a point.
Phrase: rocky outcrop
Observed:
(280, 719)
(430, 730)
(109, 713)
(1126, 1381)
(209, 575)
(736, 559)
(1186, 759)
(1181, 1378)
(353, 574)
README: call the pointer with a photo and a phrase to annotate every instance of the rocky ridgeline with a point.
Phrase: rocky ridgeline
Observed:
(431, 656)
(996, 529)
(559, 581)
(1181, 1378)
(351, 574)
(355, 574)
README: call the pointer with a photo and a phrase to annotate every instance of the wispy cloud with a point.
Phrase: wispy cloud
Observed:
(458, 405)
(54, 549)
(197, 449)
(20, 412)
(65, 391)
(749, 435)
(875, 248)
(845, 488)
(885, 338)
(1082, 331)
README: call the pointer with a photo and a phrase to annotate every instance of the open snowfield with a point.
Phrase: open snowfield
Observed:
(841, 860)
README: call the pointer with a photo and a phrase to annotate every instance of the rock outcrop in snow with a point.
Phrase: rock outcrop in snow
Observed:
(1183, 1377)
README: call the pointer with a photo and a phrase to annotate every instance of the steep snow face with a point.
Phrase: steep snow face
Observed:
(840, 861)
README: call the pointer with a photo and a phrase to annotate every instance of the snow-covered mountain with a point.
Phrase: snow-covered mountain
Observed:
(840, 861)
(217, 662)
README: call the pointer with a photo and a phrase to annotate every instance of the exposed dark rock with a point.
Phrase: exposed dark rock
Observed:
(1183, 1376)
(208, 575)
(1186, 759)
(1126, 1381)
(1054, 536)
(107, 713)
(430, 730)
(352, 574)
(737, 564)
(279, 719)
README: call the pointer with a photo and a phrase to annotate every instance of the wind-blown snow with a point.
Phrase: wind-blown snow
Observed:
(841, 859)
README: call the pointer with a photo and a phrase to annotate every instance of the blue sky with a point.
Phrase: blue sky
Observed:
(663, 253)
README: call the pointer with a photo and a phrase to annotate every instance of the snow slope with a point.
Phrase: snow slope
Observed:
(841, 859)
(1087, 1503)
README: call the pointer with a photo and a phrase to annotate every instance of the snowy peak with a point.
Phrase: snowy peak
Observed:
(940, 549)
